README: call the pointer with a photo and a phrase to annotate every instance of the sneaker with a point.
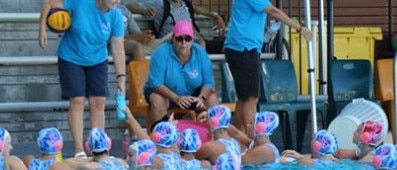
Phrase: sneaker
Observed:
(120, 106)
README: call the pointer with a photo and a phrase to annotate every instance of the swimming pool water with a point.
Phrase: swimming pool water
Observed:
(344, 164)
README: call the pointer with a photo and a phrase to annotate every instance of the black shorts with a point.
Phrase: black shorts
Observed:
(147, 92)
(83, 81)
(245, 68)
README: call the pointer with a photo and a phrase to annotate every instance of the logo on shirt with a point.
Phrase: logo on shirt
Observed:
(193, 74)
(105, 27)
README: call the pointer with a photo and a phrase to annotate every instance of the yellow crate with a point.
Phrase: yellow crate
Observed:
(349, 43)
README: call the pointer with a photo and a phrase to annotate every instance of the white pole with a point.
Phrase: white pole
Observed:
(323, 47)
(395, 90)
(311, 67)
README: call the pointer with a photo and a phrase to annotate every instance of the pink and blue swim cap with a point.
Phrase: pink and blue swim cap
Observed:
(219, 117)
(164, 134)
(145, 151)
(226, 161)
(385, 157)
(98, 141)
(325, 143)
(50, 140)
(265, 123)
(371, 133)
(3, 136)
(189, 141)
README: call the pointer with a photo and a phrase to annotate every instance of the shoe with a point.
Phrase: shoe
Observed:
(80, 155)
(120, 106)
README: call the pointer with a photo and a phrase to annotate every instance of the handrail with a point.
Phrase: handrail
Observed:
(35, 16)
(395, 89)
(46, 60)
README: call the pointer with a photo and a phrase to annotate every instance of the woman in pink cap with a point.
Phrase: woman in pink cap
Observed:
(180, 75)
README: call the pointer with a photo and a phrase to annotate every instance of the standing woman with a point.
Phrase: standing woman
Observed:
(243, 45)
(83, 59)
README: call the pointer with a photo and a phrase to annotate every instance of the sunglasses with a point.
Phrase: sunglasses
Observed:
(186, 38)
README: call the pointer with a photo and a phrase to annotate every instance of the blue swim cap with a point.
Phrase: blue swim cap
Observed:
(219, 117)
(3, 136)
(50, 140)
(164, 134)
(98, 141)
(189, 140)
(145, 151)
(226, 161)
(325, 143)
(385, 157)
(265, 123)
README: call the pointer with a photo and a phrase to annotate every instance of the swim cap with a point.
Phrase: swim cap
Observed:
(189, 141)
(226, 161)
(145, 151)
(50, 140)
(265, 123)
(3, 136)
(325, 143)
(219, 117)
(164, 134)
(385, 157)
(98, 141)
(371, 133)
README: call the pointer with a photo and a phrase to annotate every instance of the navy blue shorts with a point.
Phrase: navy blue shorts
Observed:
(147, 92)
(245, 68)
(79, 81)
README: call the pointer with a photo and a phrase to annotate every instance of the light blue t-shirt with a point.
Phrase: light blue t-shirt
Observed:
(86, 41)
(247, 25)
(165, 69)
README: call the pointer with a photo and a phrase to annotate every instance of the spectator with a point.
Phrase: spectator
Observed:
(180, 10)
(50, 143)
(243, 46)
(8, 161)
(180, 75)
(137, 43)
(83, 59)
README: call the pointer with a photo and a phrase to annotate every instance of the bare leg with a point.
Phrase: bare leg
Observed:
(97, 111)
(158, 106)
(134, 49)
(245, 111)
(75, 118)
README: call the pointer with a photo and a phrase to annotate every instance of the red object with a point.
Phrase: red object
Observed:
(201, 128)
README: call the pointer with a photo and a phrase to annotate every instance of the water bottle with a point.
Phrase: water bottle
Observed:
(120, 106)
(125, 144)
(271, 31)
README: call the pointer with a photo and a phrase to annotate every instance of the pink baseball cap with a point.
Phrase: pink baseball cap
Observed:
(183, 28)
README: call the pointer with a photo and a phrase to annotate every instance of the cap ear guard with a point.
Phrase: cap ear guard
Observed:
(365, 137)
(377, 161)
(58, 145)
(316, 146)
(143, 158)
(156, 137)
(214, 122)
(260, 128)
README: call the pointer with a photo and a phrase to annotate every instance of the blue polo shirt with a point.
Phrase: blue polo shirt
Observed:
(86, 41)
(165, 69)
(247, 25)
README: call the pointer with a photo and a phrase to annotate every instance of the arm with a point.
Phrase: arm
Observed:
(117, 47)
(134, 125)
(217, 18)
(346, 154)
(258, 155)
(47, 5)
(241, 137)
(136, 9)
(281, 16)
(14, 163)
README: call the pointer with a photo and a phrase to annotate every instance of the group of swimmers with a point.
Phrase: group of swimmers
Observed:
(224, 147)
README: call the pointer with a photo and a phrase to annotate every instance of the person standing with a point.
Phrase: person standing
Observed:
(83, 59)
(242, 47)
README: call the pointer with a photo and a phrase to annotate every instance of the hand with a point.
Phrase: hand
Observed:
(150, 13)
(184, 102)
(148, 37)
(199, 103)
(292, 154)
(42, 39)
(221, 25)
(121, 84)
(306, 33)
